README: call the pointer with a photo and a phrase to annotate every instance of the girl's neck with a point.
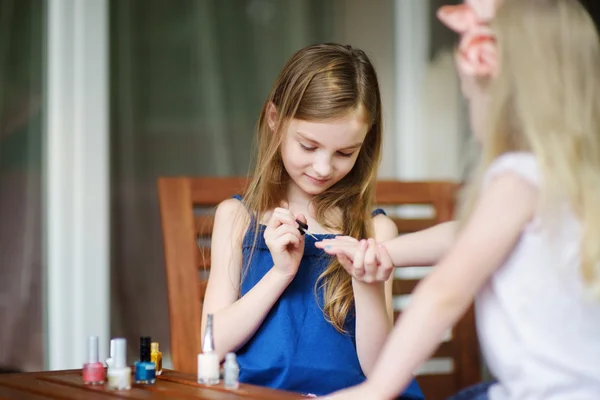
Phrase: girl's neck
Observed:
(298, 200)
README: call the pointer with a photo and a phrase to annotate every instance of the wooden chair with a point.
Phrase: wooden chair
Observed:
(186, 238)
(456, 363)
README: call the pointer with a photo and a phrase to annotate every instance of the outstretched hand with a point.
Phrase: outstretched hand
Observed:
(365, 260)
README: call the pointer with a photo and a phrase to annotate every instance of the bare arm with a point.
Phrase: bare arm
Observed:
(373, 305)
(422, 248)
(489, 236)
(235, 320)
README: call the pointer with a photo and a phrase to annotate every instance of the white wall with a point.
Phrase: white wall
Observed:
(369, 25)
(423, 117)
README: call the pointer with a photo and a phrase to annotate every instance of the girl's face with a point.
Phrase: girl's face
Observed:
(478, 100)
(317, 155)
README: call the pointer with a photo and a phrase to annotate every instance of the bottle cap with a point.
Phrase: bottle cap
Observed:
(93, 349)
(145, 348)
(154, 346)
(112, 348)
(120, 358)
(230, 358)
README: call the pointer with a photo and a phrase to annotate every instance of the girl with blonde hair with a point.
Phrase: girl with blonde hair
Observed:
(527, 248)
(295, 318)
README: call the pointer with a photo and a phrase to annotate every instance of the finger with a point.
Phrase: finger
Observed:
(386, 265)
(292, 239)
(326, 243)
(285, 216)
(272, 223)
(345, 239)
(346, 263)
(285, 240)
(370, 262)
(301, 218)
(359, 257)
(348, 251)
(285, 229)
(338, 240)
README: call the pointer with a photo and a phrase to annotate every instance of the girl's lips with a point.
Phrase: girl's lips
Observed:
(317, 181)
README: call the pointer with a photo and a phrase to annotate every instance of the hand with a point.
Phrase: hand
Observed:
(359, 392)
(365, 260)
(285, 241)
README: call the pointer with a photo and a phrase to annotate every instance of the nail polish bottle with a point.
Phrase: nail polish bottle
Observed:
(156, 357)
(109, 360)
(145, 370)
(208, 360)
(231, 372)
(119, 374)
(93, 370)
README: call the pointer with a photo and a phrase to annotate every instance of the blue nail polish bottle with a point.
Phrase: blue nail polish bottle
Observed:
(145, 370)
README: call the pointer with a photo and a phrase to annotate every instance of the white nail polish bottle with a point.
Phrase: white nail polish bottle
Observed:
(119, 375)
(208, 361)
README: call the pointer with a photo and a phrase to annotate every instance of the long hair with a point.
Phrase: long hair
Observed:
(319, 83)
(546, 100)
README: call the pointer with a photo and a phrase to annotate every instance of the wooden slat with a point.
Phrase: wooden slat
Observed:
(437, 386)
(212, 191)
(446, 350)
(405, 225)
(404, 286)
(403, 192)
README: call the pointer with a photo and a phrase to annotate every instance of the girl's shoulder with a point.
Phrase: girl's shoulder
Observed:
(233, 214)
(522, 164)
(384, 227)
(230, 207)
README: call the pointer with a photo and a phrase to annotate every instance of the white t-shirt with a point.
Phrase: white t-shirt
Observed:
(539, 332)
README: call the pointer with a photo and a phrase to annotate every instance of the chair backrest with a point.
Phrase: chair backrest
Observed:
(186, 208)
(415, 206)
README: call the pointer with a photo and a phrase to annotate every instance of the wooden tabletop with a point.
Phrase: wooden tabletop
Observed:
(169, 385)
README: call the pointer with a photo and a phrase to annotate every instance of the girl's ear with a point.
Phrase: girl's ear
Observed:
(272, 116)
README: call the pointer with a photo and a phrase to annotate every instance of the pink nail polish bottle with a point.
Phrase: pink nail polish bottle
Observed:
(93, 370)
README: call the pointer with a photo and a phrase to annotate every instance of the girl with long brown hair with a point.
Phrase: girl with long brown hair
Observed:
(295, 318)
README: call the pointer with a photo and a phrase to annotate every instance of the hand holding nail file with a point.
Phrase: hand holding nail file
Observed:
(303, 228)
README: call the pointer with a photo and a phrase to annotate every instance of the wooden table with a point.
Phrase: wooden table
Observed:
(169, 385)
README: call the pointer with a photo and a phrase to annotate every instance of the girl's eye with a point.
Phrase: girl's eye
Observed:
(345, 154)
(307, 148)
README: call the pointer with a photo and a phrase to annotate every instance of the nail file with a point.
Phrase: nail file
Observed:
(303, 228)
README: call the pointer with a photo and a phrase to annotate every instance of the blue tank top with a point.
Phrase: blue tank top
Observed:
(295, 348)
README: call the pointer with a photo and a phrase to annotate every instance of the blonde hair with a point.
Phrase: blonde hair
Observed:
(320, 83)
(546, 100)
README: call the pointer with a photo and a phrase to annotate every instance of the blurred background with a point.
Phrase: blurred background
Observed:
(98, 98)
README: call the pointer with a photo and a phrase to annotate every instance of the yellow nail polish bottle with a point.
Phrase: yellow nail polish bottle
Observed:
(156, 357)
